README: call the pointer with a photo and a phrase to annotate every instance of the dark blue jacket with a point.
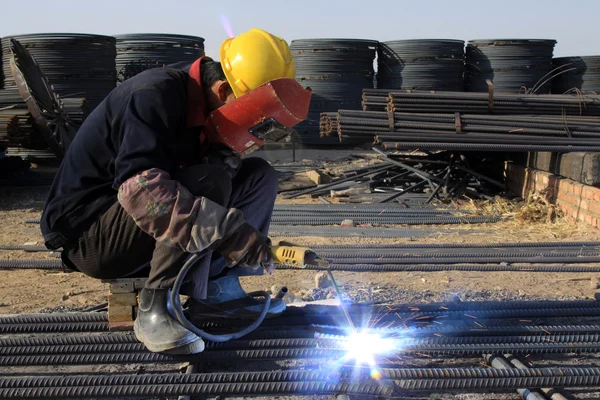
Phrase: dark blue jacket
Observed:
(140, 125)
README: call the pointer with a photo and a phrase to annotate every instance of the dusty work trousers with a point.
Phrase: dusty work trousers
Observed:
(114, 247)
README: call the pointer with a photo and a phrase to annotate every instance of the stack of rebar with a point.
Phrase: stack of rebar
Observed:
(512, 65)
(479, 103)
(465, 131)
(141, 51)
(77, 65)
(430, 64)
(336, 70)
(576, 74)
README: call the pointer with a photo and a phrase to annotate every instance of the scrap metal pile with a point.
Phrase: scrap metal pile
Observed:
(309, 351)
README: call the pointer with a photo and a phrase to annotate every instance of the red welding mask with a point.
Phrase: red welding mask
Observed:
(263, 115)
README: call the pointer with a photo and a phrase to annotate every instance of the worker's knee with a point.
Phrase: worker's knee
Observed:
(262, 174)
(210, 181)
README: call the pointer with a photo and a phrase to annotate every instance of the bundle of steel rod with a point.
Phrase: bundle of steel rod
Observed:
(479, 103)
(516, 133)
(428, 64)
(301, 340)
(576, 74)
(512, 65)
(141, 51)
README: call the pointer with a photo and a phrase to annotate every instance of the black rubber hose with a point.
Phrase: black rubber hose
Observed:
(178, 308)
(53, 318)
(449, 267)
(55, 328)
(211, 390)
(31, 264)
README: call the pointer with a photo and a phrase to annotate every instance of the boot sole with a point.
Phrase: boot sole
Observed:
(193, 347)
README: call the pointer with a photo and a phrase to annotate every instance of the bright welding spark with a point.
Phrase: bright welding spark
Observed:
(362, 347)
(226, 25)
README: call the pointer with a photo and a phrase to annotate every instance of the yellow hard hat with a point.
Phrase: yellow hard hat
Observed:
(255, 57)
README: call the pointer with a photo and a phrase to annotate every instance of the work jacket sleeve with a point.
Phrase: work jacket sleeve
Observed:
(158, 204)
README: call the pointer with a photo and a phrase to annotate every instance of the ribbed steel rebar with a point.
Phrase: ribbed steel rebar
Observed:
(403, 253)
(299, 220)
(486, 147)
(450, 267)
(501, 245)
(31, 264)
(245, 389)
(53, 318)
(55, 328)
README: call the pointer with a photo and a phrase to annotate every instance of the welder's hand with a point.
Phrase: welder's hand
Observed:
(226, 157)
(247, 246)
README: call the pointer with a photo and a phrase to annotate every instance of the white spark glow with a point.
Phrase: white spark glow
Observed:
(363, 347)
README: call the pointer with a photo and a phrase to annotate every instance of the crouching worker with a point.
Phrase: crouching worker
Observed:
(156, 174)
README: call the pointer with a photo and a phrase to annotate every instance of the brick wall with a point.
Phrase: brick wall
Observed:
(578, 201)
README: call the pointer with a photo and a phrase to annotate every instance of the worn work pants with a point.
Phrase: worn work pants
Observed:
(114, 246)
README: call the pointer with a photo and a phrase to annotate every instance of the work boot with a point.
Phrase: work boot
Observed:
(159, 330)
(227, 299)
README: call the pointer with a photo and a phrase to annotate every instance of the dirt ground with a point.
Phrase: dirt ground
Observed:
(25, 291)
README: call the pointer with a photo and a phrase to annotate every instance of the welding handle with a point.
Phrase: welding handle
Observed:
(289, 255)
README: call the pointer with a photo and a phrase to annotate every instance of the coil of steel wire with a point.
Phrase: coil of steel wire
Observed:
(581, 74)
(428, 64)
(77, 65)
(512, 65)
(336, 70)
(141, 51)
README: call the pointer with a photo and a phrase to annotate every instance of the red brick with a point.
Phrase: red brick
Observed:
(597, 194)
(545, 179)
(584, 204)
(595, 207)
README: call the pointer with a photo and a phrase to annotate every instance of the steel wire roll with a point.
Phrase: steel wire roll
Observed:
(420, 64)
(511, 64)
(580, 73)
(336, 70)
(77, 65)
(141, 51)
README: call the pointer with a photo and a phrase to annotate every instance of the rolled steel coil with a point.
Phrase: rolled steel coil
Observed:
(336, 70)
(141, 51)
(581, 74)
(426, 64)
(77, 65)
(513, 65)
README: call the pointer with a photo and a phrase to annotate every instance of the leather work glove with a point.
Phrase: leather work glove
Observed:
(247, 246)
(226, 157)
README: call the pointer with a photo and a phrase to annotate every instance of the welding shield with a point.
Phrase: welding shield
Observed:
(263, 115)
